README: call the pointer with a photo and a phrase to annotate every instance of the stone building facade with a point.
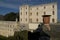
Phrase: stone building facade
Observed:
(29, 18)
(7, 28)
(31, 15)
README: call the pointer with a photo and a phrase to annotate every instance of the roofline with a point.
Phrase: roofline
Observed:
(39, 4)
(44, 4)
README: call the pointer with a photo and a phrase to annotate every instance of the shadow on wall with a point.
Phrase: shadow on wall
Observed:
(38, 34)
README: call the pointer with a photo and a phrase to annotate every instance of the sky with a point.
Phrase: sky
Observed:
(7, 6)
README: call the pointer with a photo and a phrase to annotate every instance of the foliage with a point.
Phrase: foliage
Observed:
(10, 16)
(3, 38)
(21, 35)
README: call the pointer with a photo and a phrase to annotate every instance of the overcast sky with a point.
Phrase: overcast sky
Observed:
(7, 6)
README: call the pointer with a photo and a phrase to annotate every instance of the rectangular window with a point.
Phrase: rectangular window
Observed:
(37, 8)
(26, 19)
(21, 19)
(30, 20)
(26, 13)
(53, 12)
(37, 13)
(21, 8)
(26, 7)
(44, 7)
(12, 25)
(37, 19)
(44, 13)
(53, 6)
(53, 20)
(21, 13)
(30, 14)
(30, 8)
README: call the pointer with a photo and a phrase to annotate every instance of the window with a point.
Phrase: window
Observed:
(26, 19)
(53, 12)
(26, 13)
(21, 13)
(21, 8)
(30, 8)
(26, 7)
(37, 8)
(23, 26)
(44, 13)
(30, 20)
(10, 30)
(53, 6)
(10, 26)
(37, 19)
(30, 14)
(21, 19)
(13, 25)
(53, 20)
(44, 7)
(37, 13)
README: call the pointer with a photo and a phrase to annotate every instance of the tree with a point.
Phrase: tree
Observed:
(1, 17)
(21, 35)
(17, 15)
(10, 16)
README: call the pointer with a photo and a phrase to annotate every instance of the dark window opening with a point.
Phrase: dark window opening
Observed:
(21, 19)
(21, 13)
(26, 7)
(44, 7)
(30, 8)
(37, 20)
(53, 6)
(37, 8)
(30, 14)
(26, 13)
(23, 26)
(30, 20)
(44, 13)
(53, 20)
(53, 12)
(26, 19)
(37, 13)
(21, 8)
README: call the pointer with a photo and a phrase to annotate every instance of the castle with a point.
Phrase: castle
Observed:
(29, 18)
(31, 15)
